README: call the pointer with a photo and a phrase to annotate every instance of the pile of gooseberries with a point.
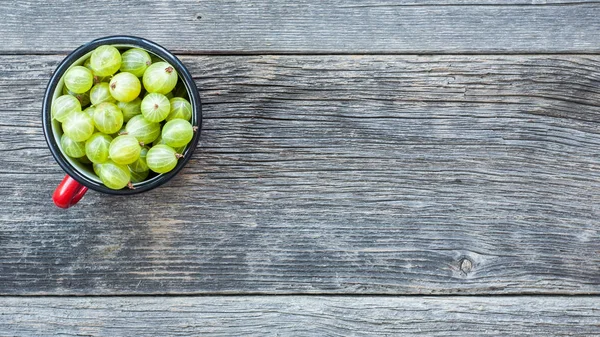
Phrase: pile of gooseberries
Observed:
(124, 114)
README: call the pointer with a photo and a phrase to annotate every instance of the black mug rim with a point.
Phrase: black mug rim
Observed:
(156, 49)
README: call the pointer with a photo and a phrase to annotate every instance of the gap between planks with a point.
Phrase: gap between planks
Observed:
(177, 52)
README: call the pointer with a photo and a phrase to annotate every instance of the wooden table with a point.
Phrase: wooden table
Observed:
(366, 168)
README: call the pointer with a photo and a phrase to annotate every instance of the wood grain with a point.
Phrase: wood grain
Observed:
(309, 26)
(300, 316)
(329, 174)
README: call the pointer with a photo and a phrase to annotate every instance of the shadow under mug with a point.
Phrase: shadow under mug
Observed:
(80, 177)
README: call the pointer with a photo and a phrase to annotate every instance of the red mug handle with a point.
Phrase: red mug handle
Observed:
(68, 192)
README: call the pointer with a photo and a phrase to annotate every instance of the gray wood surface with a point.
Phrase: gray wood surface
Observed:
(333, 161)
(300, 316)
(309, 26)
(329, 174)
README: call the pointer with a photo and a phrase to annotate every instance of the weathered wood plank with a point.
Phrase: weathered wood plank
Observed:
(330, 174)
(309, 26)
(300, 316)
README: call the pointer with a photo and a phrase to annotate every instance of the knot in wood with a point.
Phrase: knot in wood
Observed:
(466, 265)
